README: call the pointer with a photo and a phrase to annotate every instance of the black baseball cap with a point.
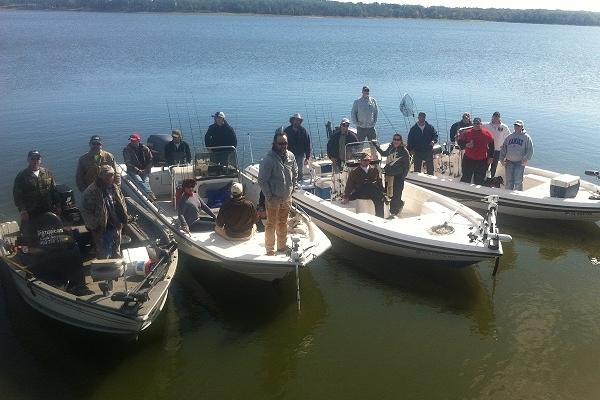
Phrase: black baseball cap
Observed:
(34, 153)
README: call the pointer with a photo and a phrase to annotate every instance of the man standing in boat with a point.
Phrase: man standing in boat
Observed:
(138, 159)
(499, 131)
(478, 144)
(277, 176)
(421, 138)
(516, 152)
(89, 164)
(336, 146)
(177, 151)
(364, 182)
(34, 190)
(364, 115)
(104, 212)
(465, 122)
(220, 133)
(298, 142)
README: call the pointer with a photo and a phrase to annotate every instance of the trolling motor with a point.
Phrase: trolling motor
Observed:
(488, 229)
(589, 172)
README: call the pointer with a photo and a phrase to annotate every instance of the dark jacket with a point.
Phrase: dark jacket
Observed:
(298, 142)
(358, 178)
(456, 126)
(237, 216)
(220, 136)
(138, 159)
(89, 167)
(34, 194)
(397, 160)
(174, 156)
(333, 145)
(421, 141)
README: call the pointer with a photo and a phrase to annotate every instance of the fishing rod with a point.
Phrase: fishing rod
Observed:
(169, 110)
(389, 121)
(308, 121)
(318, 130)
(197, 117)
(178, 117)
(191, 130)
(250, 146)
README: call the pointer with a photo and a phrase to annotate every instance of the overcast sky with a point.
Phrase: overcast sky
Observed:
(547, 4)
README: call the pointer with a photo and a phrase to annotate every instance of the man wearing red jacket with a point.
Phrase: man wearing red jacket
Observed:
(478, 144)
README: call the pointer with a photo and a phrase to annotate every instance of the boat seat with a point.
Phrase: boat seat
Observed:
(107, 269)
(365, 206)
(533, 180)
(433, 207)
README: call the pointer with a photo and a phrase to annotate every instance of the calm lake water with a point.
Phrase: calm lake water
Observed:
(386, 332)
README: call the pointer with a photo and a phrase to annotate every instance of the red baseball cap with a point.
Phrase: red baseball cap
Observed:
(135, 136)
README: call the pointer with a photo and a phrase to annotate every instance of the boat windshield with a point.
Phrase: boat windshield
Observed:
(355, 151)
(216, 162)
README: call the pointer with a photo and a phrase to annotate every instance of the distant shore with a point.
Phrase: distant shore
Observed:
(319, 9)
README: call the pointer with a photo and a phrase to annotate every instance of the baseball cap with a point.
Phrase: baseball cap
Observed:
(237, 189)
(219, 114)
(135, 136)
(95, 139)
(519, 122)
(34, 153)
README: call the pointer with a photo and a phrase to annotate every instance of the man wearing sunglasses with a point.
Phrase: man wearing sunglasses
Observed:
(277, 175)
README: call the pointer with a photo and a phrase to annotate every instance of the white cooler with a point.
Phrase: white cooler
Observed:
(564, 186)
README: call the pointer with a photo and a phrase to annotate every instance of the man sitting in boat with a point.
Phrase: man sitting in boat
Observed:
(237, 216)
(104, 213)
(188, 208)
(364, 182)
(177, 151)
(336, 146)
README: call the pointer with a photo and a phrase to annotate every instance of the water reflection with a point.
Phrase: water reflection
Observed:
(458, 291)
(262, 313)
(554, 238)
(58, 361)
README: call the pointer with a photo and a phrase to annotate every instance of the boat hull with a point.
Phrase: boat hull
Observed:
(510, 202)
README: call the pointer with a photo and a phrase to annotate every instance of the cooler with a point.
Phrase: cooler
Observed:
(322, 167)
(323, 189)
(564, 186)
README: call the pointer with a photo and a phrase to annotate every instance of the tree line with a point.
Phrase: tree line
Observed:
(316, 8)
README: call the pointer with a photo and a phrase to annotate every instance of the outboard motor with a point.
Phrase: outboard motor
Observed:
(50, 251)
(66, 200)
(157, 144)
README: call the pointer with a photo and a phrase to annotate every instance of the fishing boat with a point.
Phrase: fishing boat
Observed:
(430, 227)
(545, 195)
(214, 171)
(123, 296)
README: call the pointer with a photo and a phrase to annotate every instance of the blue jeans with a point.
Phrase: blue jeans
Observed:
(514, 175)
(143, 181)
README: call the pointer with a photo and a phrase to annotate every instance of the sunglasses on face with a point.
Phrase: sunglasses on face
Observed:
(282, 143)
(397, 140)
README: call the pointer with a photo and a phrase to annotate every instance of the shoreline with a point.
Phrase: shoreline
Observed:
(21, 7)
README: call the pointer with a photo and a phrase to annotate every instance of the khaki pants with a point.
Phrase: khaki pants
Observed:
(277, 215)
(389, 186)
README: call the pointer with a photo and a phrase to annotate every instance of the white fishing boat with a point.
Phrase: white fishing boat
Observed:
(214, 171)
(123, 296)
(430, 227)
(545, 195)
